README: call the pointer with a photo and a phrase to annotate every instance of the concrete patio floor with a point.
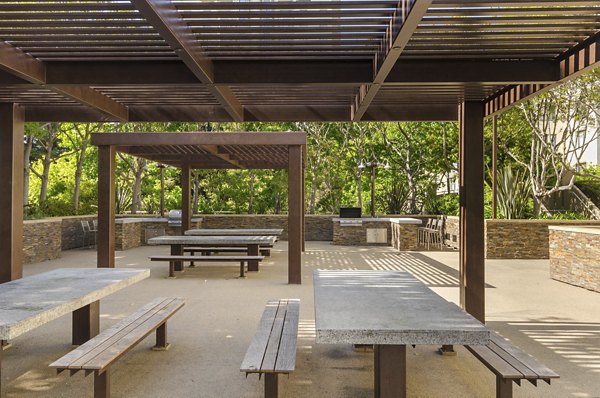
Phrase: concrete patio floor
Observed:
(557, 323)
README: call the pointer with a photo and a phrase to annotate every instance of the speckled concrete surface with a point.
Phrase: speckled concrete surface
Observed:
(557, 323)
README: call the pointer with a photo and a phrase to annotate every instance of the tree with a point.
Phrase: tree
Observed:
(318, 137)
(561, 126)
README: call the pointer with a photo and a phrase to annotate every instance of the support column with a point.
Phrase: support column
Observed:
(471, 165)
(295, 214)
(186, 198)
(106, 207)
(12, 118)
(495, 167)
(303, 211)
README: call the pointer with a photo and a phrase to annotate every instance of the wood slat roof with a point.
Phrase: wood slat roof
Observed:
(207, 150)
(283, 60)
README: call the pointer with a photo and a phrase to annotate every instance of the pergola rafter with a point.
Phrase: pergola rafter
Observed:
(28, 68)
(166, 20)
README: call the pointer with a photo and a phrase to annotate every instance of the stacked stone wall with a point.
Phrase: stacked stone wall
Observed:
(41, 240)
(575, 258)
(522, 239)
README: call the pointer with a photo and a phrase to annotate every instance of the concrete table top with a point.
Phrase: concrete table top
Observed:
(395, 220)
(234, 232)
(212, 240)
(388, 307)
(32, 301)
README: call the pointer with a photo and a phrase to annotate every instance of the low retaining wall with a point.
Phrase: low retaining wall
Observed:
(41, 240)
(575, 256)
(522, 239)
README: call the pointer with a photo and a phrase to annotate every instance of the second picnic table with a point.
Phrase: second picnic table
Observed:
(177, 243)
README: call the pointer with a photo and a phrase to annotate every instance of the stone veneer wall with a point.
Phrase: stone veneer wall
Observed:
(317, 227)
(41, 240)
(575, 258)
(404, 236)
(127, 235)
(451, 228)
(522, 239)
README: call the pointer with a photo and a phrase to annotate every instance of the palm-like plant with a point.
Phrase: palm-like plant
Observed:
(514, 191)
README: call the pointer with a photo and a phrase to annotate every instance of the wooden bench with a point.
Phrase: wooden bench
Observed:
(273, 348)
(206, 251)
(99, 353)
(172, 258)
(509, 363)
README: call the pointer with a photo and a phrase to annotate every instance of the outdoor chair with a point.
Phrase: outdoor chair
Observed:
(421, 232)
(89, 234)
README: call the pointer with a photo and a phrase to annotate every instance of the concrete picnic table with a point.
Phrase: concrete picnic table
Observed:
(389, 310)
(32, 301)
(177, 243)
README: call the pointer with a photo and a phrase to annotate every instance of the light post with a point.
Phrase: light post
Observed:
(373, 164)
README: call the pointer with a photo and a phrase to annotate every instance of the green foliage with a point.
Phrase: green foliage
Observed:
(513, 193)
(567, 215)
(590, 185)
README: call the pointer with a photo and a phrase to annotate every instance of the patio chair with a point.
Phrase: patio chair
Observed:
(88, 234)
(422, 232)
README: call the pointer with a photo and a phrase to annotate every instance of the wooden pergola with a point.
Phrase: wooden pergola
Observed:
(189, 151)
(346, 60)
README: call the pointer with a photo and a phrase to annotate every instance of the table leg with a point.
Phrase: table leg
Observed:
(390, 371)
(253, 251)
(86, 323)
(177, 250)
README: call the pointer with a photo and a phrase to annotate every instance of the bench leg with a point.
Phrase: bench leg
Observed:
(86, 323)
(191, 262)
(161, 338)
(242, 266)
(271, 385)
(171, 269)
(253, 251)
(102, 384)
(503, 387)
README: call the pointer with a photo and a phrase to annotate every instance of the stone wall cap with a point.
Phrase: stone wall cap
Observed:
(584, 230)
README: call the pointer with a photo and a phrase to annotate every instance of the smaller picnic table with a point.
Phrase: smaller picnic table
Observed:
(177, 243)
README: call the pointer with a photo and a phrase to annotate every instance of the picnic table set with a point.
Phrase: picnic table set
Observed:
(389, 310)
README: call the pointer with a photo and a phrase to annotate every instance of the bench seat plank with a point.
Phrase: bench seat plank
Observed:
(206, 258)
(494, 363)
(254, 356)
(270, 358)
(526, 361)
(286, 359)
(101, 351)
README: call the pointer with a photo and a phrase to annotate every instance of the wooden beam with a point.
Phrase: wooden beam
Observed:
(406, 19)
(472, 242)
(165, 18)
(330, 72)
(572, 64)
(214, 149)
(106, 207)
(11, 201)
(26, 67)
(150, 139)
(94, 99)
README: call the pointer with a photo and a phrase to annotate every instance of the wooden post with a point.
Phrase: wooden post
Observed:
(295, 214)
(495, 167)
(471, 165)
(303, 224)
(106, 207)
(12, 118)
(186, 200)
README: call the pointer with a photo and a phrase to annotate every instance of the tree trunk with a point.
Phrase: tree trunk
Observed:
(313, 194)
(47, 161)
(359, 189)
(78, 174)
(27, 169)
(136, 194)
(251, 193)
(196, 193)
(278, 203)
